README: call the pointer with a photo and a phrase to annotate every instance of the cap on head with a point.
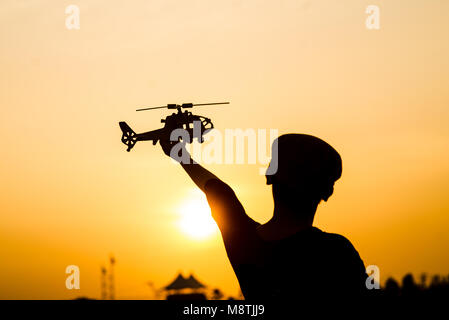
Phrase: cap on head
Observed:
(301, 159)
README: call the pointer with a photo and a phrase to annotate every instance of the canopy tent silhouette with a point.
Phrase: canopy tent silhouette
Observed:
(182, 287)
(184, 283)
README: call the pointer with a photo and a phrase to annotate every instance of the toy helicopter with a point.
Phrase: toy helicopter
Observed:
(179, 120)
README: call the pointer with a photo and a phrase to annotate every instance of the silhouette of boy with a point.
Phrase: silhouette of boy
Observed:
(285, 258)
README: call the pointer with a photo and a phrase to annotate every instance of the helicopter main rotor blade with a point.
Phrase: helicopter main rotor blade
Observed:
(151, 108)
(184, 105)
(209, 104)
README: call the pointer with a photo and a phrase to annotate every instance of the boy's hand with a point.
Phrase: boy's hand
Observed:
(167, 146)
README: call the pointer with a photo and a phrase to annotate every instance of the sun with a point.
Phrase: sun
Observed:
(195, 218)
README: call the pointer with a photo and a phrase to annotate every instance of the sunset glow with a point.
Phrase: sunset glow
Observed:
(196, 220)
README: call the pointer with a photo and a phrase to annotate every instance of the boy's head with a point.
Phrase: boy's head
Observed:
(303, 166)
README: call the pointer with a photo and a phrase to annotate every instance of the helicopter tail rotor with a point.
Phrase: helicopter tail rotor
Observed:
(129, 137)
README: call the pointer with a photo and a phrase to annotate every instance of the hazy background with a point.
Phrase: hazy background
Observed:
(71, 194)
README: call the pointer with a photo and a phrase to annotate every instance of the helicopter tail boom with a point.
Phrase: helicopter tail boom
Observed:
(154, 135)
(129, 137)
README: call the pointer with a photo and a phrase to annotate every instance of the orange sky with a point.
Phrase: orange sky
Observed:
(71, 194)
